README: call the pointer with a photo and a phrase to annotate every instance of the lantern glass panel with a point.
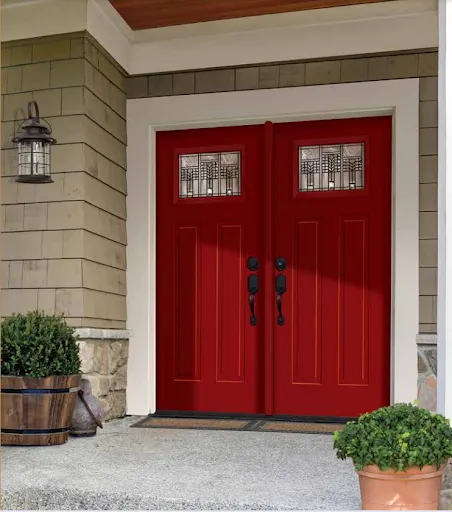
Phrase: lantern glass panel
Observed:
(24, 158)
(40, 158)
(34, 158)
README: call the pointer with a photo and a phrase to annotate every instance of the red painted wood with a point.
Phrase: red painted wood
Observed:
(306, 303)
(268, 269)
(353, 290)
(231, 304)
(332, 357)
(209, 357)
(187, 347)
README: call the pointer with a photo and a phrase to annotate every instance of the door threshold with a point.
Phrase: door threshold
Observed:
(250, 417)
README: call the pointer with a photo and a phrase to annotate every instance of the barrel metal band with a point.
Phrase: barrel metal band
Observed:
(39, 391)
(35, 431)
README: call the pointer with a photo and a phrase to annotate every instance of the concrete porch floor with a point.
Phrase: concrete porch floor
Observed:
(149, 469)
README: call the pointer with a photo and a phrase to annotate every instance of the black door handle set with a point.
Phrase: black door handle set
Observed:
(253, 288)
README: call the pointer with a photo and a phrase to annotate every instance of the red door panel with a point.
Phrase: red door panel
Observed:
(332, 355)
(209, 357)
(306, 312)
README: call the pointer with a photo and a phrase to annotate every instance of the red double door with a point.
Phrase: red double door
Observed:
(274, 268)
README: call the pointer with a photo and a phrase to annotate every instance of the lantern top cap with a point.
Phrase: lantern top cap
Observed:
(32, 128)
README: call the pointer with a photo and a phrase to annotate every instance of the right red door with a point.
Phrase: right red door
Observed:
(332, 228)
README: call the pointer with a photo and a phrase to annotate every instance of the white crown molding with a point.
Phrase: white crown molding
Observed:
(295, 42)
(313, 18)
(321, 33)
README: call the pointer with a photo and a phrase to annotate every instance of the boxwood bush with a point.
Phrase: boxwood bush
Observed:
(38, 345)
(396, 437)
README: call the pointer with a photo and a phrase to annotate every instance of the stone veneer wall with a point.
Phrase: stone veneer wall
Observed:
(427, 367)
(64, 244)
(445, 502)
(104, 355)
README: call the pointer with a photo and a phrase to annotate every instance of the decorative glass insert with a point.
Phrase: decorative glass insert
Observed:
(331, 167)
(209, 174)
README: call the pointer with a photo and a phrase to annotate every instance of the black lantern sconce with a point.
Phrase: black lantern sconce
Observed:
(33, 141)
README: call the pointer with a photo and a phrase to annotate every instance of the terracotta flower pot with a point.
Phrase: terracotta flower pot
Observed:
(413, 489)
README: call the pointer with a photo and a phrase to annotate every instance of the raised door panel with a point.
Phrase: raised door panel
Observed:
(353, 302)
(306, 334)
(333, 184)
(187, 349)
(230, 346)
(208, 199)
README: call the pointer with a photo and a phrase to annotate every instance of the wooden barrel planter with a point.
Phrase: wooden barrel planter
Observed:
(37, 411)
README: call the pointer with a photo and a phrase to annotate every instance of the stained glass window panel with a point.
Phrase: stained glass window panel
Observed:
(331, 167)
(210, 174)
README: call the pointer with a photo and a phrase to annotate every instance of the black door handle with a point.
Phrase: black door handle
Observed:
(253, 288)
(280, 264)
(280, 288)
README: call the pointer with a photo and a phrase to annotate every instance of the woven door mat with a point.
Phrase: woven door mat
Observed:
(239, 425)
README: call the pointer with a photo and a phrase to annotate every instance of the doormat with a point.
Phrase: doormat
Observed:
(294, 427)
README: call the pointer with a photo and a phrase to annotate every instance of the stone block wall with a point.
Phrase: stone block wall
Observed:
(427, 365)
(104, 355)
(64, 244)
(445, 502)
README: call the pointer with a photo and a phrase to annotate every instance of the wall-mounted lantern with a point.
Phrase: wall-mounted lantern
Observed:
(33, 141)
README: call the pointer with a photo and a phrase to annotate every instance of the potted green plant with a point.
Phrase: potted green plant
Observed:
(40, 377)
(400, 453)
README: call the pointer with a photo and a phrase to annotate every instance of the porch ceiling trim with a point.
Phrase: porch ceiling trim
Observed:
(148, 115)
(335, 31)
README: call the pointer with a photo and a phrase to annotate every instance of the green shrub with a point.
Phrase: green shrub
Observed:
(38, 345)
(397, 437)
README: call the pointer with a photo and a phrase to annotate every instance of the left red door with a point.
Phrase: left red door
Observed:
(209, 356)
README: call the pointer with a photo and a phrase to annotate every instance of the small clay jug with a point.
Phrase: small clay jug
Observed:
(88, 414)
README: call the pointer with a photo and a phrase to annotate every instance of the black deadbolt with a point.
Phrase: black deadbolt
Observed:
(280, 264)
(253, 263)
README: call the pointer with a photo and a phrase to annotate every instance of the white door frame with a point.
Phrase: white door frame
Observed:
(400, 98)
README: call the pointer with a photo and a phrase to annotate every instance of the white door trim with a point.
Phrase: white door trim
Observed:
(146, 116)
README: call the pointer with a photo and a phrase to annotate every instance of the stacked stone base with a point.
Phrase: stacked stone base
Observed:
(427, 367)
(426, 395)
(104, 356)
(446, 494)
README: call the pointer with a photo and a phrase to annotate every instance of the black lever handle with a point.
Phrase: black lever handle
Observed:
(280, 288)
(253, 288)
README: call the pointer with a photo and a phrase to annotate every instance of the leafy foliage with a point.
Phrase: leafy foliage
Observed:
(38, 345)
(396, 437)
